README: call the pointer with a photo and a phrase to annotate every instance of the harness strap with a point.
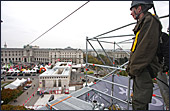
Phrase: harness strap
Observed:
(135, 42)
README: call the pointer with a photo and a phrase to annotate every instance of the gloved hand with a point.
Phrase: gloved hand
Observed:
(127, 70)
(131, 76)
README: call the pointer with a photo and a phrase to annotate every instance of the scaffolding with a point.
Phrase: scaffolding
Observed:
(114, 69)
(83, 99)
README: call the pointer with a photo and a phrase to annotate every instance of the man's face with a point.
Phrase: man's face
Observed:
(135, 11)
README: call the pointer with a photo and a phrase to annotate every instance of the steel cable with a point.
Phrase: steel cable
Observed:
(59, 22)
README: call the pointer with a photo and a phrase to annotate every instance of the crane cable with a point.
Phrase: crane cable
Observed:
(59, 22)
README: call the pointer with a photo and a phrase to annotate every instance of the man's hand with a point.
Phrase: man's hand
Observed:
(127, 70)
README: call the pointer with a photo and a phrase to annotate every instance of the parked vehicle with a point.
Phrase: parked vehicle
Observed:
(28, 85)
(51, 98)
(10, 78)
(14, 74)
(27, 74)
(67, 91)
(8, 75)
(95, 80)
(2, 77)
(33, 74)
(42, 95)
(25, 88)
(15, 100)
(83, 80)
(20, 75)
(82, 69)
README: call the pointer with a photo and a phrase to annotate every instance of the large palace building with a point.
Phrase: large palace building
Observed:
(34, 54)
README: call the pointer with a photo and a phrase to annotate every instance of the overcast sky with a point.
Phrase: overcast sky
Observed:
(24, 21)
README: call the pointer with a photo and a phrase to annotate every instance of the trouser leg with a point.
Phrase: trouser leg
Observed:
(142, 91)
(163, 88)
(139, 106)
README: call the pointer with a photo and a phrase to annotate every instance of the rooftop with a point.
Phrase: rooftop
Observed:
(60, 69)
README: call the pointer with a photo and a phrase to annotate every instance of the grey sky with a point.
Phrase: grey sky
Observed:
(24, 21)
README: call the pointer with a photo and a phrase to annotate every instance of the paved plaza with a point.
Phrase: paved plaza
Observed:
(30, 98)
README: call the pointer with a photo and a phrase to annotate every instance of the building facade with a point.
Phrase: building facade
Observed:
(58, 76)
(34, 54)
(66, 55)
(117, 54)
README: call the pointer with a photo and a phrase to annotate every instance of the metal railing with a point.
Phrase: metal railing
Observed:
(98, 39)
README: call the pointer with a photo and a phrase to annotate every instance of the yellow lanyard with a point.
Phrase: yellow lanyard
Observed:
(136, 39)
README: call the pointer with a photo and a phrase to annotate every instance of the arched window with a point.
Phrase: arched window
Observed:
(54, 83)
(43, 83)
(59, 83)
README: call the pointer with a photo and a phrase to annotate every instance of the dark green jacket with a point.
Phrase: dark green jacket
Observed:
(146, 47)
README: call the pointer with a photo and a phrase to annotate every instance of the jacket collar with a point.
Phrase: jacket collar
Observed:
(137, 27)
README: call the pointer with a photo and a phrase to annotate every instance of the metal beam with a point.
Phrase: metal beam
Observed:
(128, 95)
(113, 36)
(125, 26)
(104, 66)
(110, 96)
(115, 70)
(123, 50)
(86, 58)
(103, 41)
(111, 73)
(96, 52)
(116, 29)
(100, 96)
(124, 41)
(105, 52)
(109, 82)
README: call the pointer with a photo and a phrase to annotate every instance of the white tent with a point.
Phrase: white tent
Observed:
(24, 71)
(15, 83)
(36, 66)
(2, 70)
(17, 71)
(10, 86)
(11, 70)
(47, 66)
(33, 70)
(5, 66)
(28, 71)
(41, 66)
(23, 80)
